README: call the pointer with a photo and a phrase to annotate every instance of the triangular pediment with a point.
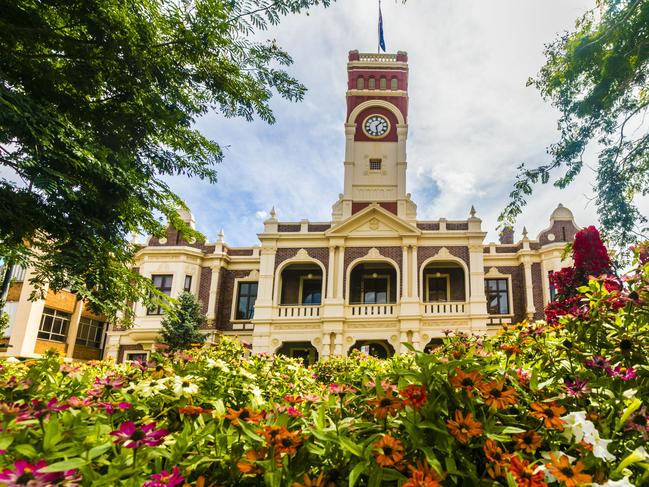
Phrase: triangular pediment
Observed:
(373, 221)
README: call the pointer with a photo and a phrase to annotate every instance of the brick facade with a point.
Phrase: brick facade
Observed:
(518, 289)
(539, 282)
(204, 288)
(424, 253)
(226, 295)
(353, 253)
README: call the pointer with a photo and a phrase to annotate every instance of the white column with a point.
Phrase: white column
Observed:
(214, 290)
(405, 274)
(73, 329)
(477, 298)
(402, 136)
(331, 272)
(529, 289)
(264, 304)
(340, 272)
(414, 273)
(350, 130)
(27, 321)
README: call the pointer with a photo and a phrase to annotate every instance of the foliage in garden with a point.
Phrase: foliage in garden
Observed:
(562, 404)
(180, 329)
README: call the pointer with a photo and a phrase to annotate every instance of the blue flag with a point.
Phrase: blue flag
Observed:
(381, 38)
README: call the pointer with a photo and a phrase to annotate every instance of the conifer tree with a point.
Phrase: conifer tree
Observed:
(181, 325)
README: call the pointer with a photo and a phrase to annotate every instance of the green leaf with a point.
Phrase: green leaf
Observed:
(98, 450)
(356, 472)
(350, 446)
(512, 430)
(70, 464)
(26, 450)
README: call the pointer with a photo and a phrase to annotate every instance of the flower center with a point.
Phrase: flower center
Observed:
(387, 451)
(467, 382)
(495, 392)
(640, 420)
(138, 435)
(567, 471)
(385, 402)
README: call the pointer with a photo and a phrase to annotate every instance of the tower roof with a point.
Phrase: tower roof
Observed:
(561, 213)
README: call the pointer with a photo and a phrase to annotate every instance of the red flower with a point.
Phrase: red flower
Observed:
(415, 396)
(525, 474)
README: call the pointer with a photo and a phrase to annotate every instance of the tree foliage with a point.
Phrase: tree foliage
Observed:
(98, 100)
(596, 77)
(180, 327)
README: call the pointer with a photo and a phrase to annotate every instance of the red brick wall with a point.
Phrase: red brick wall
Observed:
(424, 253)
(287, 227)
(564, 231)
(319, 227)
(428, 226)
(320, 254)
(518, 289)
(204, 288)
(226, 293)
(353, 253)
(539, 281)
(390, 206)
(235, 252)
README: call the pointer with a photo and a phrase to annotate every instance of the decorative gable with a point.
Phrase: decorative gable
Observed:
(373, 221)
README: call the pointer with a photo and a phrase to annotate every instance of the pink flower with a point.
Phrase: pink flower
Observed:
(294, 412)
(577, 387)
(27, 474)
(105, 385)
(598, 362)
(111, 407)
(165, 479)
(523, 375)
(75, 402)
(53, 405)
(130, 436)
(638, 421)
(622, 373)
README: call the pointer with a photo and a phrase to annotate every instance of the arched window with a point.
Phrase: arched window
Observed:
(383, 84)
(371, 84)
(360, 83)
(394, 84)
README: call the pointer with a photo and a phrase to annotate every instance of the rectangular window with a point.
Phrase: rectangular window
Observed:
(497, 291)
(188, 284)
(553, 291)
(310, 291)
(438, 287)
(91, 332)
(246, 298)
(54, 325)
(375, 290)
(163, 283)
(137, 357)
(375, 164)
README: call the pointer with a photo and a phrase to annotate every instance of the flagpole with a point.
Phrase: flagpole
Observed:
(378, 46)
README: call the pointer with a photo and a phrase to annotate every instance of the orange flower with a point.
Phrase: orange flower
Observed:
(193, 410)
(525, 474)
(247, 466)
(494, 453)
(386, 405)
(498, 471)
(415, 396)
(510, 349)
(571, 475)
(245, 414)
(319, 481)
(388, 451)
(530, 441)
(466, 380)
(287, 442)
(270, 433)
(463, 428)
(550, 414)
(422, 476)
(496, 396)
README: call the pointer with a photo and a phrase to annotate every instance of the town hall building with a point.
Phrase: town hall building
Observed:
(374, 277)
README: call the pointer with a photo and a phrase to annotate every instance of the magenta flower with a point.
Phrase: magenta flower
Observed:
(577, 387)
(341, 389)
(130, 436)
(622, 373)
(112, 408)
(523, 375)
(53, 405)
(598, 362)
(105, 385)
(165, 479)
(638, 421)
(24, 473)
(294, 412)
(75, 402)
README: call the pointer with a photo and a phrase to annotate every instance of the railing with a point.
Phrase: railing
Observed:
(372, 309)
(368, 57)
(445, 308)
(298, 311)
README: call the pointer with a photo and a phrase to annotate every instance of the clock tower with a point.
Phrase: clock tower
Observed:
(376, 130)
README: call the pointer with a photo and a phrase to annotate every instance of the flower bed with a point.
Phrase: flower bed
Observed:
(560, 404)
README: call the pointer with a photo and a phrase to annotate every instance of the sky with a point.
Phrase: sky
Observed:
(472, 120)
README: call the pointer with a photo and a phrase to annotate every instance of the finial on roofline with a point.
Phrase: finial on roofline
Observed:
(472, 211)
(221, 238)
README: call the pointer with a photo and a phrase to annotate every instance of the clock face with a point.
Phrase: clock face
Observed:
(376, 126)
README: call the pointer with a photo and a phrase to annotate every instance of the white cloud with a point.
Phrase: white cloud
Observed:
(472, 119)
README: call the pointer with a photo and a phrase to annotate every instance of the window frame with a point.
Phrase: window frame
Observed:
(300, 297)
(447, 277)
(507, 293)
(236, 296)
(188, 288)
(86, 342)
(360, 83)
(365, 277)
(55, 314)
(375, 161)
(157, 311)
(127, 354)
